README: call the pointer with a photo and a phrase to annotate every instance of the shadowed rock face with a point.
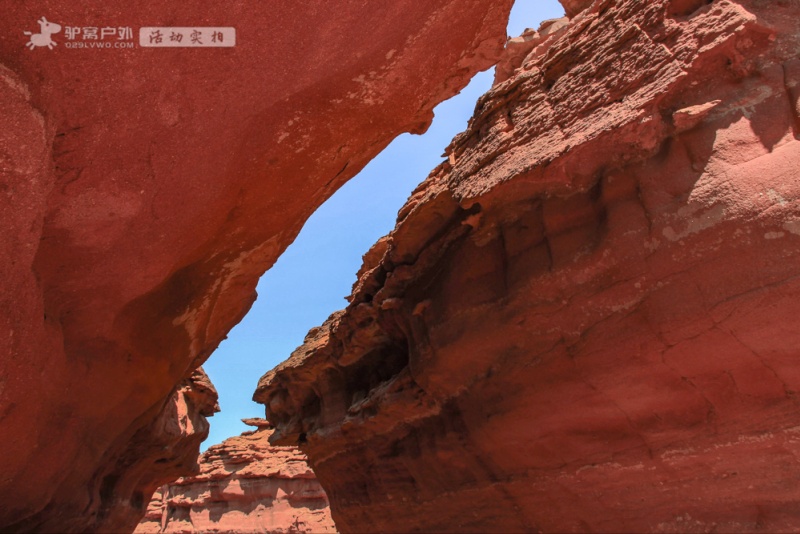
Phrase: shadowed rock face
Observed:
(587, 318)
(243, 485)
(144, 191)
(170, 443)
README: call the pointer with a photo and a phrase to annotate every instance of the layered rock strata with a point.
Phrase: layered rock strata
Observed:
(143, 191)
(585, 319)
(244, 485)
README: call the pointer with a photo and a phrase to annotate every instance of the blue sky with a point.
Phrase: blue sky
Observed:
(316, 272)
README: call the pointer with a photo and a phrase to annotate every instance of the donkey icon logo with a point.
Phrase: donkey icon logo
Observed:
(43, 37)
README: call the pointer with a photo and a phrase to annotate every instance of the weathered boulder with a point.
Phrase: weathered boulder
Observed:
(585, 319)
(244, 485)
(143, 191)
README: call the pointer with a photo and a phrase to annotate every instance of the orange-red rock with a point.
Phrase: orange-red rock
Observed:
(244, 485)
(143, 192)
(585, 319)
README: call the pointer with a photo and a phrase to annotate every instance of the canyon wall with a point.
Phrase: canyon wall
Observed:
(244, 485)
(143, 191)
(586, 318)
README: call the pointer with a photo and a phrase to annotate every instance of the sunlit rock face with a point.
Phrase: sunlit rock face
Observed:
(244, 485)
(586, 318)
(143, 191)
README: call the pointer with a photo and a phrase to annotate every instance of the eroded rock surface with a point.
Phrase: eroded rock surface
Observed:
(143, 191)
(587, 318)
(244, 485)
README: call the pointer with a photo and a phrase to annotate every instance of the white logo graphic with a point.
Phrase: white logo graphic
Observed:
(43, 38)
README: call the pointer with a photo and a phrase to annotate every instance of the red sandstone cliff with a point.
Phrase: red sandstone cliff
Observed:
(144, 191)
(586, 319)
(244, 485)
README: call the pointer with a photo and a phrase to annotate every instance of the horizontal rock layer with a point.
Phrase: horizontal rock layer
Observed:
(244, 485)
(585, 319)
(143, 191)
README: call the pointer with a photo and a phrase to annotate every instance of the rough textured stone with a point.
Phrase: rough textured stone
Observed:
(244, 485)
(171, 442)
(144, 191)
(585, 319)
(518, 48)
(574, 7)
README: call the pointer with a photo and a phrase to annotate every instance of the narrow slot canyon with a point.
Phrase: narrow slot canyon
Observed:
(568, 255)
